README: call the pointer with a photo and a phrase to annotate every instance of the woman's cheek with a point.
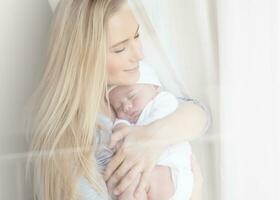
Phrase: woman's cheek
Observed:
(116, 64)
(113, 69)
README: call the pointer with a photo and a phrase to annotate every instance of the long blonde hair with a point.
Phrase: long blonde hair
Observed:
(63, 110)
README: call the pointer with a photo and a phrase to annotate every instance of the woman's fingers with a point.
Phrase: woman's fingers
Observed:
(128, 194)
(113, 164)
(142, 195)
(127, 180)
(143, 182)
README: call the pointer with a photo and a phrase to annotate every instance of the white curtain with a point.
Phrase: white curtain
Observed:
(249, 81)
(186, 30)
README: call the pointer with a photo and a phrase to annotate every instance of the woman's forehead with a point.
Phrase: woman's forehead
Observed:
(122, 25)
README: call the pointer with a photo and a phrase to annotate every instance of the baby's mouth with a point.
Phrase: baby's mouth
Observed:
(134, 116)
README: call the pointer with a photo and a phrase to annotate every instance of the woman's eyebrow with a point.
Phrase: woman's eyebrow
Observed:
(126, 39)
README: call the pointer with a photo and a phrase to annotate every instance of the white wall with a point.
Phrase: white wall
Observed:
(250, 60)
(23, 35)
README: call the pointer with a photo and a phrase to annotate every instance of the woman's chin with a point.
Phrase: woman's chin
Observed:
(131, 77)
(127, 78)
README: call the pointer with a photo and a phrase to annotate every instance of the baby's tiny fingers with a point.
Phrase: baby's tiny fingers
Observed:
(117, 137)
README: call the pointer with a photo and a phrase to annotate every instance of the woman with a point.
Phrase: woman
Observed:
(95, 44)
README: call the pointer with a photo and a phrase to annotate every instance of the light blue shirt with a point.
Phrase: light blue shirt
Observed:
(102, 156)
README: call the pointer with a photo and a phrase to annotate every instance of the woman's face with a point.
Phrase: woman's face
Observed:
(124, 48)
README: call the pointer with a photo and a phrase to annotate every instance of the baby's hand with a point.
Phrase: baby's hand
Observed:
(119, 126)
(117, 143)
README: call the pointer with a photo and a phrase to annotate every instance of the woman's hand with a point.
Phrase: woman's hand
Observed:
(128, 194)
(137, 154)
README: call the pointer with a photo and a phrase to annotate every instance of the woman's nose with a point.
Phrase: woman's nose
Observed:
(136, 51)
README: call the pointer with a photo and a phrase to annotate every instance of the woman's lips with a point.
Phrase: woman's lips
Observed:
(132, 69)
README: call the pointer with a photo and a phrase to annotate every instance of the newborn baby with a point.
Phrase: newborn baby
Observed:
(141, 104)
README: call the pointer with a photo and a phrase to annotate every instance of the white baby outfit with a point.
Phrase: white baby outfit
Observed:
(177, 156)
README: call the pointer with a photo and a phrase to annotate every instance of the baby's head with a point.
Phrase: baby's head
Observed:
(129, 101)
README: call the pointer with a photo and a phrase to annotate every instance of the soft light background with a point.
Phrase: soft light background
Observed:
(225, 51)
(23, 34)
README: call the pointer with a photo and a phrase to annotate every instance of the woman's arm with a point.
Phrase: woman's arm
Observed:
(188, 122)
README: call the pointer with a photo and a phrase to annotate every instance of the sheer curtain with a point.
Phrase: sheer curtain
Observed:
(249, 81)
(186, 30)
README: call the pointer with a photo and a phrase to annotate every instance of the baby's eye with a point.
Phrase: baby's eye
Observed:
(132, 96)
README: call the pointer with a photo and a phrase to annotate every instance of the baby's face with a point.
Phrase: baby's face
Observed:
(129, 101)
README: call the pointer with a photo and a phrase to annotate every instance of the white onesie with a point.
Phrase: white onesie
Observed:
(177, 156)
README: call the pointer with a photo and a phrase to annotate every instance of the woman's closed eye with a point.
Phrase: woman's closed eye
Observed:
(121, 50)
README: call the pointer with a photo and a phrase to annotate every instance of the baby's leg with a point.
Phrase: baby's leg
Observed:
(161, 184)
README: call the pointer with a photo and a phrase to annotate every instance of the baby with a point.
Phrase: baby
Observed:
(141, 104)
